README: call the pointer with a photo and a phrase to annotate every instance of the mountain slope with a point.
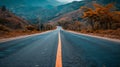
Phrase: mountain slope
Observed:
(9, 20)
(74, 15)
(44, 10)
(45, 14)
(71, 16)
(117, 2)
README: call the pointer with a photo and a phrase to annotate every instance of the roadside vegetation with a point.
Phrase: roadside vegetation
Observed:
(11, 25)
(101, 20)
(6, 32)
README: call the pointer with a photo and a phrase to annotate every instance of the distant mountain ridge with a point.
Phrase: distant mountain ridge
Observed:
(21, 3)
(45, 10)
(33, 13)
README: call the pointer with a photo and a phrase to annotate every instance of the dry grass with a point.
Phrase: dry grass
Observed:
(104, 33)
(4, 28)
(16, 33)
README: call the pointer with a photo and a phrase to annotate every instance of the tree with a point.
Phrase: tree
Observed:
(105, 15)
(4, 8)
(91, 15)
(101, 17)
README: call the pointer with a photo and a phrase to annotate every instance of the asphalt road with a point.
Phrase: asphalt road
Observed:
(77, 51)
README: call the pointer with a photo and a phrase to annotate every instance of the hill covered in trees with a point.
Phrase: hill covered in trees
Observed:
(12, 25)
(94, 18)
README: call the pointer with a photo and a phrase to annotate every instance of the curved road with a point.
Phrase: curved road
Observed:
(75, 50)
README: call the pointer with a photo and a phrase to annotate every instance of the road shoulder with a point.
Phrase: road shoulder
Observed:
(19, 37)
(115, 40)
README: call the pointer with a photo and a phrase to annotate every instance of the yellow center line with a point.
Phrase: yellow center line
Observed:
(59, 53)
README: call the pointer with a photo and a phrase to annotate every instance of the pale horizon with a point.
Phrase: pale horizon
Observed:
(67, 1)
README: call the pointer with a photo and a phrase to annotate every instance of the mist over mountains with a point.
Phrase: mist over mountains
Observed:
(30, 3)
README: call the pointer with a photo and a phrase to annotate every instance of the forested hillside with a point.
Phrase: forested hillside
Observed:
(99, 19)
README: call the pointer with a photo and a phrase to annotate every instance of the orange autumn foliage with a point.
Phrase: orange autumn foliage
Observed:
(101, 17)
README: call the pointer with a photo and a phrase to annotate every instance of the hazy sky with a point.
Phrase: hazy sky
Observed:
(66, 1)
